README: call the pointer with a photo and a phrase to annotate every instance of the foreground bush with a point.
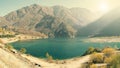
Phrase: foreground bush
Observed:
(92, 50)
(116, 61)
(108, 51)
(8, 36)
(93, 66)
(8, 46)
(22, 50)
(108, 60)
(97, 58)
(49, 57)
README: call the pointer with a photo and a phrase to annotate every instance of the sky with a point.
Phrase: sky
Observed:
(6, 6)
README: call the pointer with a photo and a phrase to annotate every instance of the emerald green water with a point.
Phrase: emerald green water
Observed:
(58, 48)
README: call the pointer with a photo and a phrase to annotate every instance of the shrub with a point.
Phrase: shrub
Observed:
(89, 51)
(116, 61)
(93, 66)
(22, 50)
(97, 58)
(49, 58)
(92, 50)
(108, 60)
(108, 51)
(8, 46)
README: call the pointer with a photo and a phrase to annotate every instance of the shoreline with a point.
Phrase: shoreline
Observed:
(113, 39)
(75, 62)
(20, 37)
(68, 63)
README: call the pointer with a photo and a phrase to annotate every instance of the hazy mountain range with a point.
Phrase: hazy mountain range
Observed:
(59, 21)
(107, 25)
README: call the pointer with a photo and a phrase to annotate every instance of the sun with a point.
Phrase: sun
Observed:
(103, 7)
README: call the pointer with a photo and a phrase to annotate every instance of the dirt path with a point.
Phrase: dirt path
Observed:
(69, 63)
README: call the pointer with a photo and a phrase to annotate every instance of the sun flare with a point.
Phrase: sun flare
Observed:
(103, 7)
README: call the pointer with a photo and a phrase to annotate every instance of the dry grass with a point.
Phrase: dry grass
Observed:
(97, 58)
(108, 51)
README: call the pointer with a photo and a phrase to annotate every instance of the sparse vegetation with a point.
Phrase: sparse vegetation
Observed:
(3, 36)
(49, 57)
(6, 33)
(8, 46)
(116, 61)
(23, 50)
(92, 50)
(108, 60)
(108, 51)
(107, 56)
(97, 58)
(93, 66)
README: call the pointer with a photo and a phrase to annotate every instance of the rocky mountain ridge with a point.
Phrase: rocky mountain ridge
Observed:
(48, 19)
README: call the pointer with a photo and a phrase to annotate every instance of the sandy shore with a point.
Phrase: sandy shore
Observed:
(20, 37)
(103, 39)
(69, 63)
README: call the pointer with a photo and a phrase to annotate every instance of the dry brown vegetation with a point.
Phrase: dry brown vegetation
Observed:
(106, 59)
(97, 58)
(108, 51)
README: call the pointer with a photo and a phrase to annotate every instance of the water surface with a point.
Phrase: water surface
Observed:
(59, 48)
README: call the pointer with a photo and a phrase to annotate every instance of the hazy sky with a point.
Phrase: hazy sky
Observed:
(7, 6)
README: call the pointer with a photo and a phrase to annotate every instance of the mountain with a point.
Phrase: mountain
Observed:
(48, 20)
(3, 22)
(108, 25)
(84, 16)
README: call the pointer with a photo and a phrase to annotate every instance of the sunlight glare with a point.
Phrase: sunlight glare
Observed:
(103, 7)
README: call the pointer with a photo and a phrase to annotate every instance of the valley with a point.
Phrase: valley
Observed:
(41, 34)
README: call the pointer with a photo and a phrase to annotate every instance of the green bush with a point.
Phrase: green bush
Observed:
(92, 50)
(22, 50)
(4, 36)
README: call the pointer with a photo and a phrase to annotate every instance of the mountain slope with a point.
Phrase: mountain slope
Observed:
(84, 16)
(108, 25)
(12, 60)
(3, 22)
(28, 17)
(48, 19)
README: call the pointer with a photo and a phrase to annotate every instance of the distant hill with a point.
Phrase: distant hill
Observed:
(108, 25)
(48, 20)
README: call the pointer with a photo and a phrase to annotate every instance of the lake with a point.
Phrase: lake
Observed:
(59, 48)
